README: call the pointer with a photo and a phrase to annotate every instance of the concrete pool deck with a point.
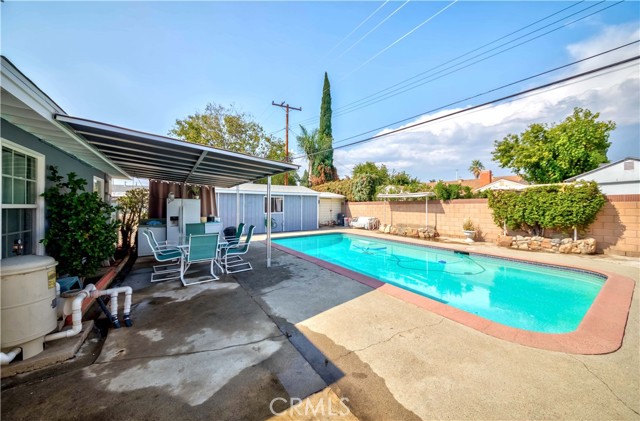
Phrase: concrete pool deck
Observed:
(225, 350)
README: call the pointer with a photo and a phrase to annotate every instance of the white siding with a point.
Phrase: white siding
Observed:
(329, 209)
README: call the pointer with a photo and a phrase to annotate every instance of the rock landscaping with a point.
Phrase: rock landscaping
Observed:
(551, 245)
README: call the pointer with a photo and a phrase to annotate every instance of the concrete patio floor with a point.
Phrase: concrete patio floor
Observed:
(226, 350)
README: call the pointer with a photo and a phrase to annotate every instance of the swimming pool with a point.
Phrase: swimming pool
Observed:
(534, 297)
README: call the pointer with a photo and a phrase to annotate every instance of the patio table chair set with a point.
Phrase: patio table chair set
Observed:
(175, 259)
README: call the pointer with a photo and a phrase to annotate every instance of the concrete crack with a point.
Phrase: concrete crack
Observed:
(146, 357)
(606, 385)
(389, 338)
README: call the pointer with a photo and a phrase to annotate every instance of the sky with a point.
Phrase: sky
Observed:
(142, 65)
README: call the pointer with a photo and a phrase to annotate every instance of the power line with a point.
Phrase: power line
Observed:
(400, 39)
(475, 107)
(416, 84)
(495, 89)
(374, 28)
(357, 27)
(355, 104)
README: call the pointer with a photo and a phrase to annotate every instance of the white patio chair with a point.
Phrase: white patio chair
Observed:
(202, 248)
(168, 256)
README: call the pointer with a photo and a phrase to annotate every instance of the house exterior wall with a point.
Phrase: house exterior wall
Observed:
(615, 179)
(300, 212)
(53, 156)
(616, 229)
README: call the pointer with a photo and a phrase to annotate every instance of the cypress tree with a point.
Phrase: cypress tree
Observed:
(324, 162)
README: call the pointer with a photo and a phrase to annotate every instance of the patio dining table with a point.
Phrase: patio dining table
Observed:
(223, 244)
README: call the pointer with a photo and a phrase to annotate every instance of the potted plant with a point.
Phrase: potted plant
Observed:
(195, 191)
(469, 230)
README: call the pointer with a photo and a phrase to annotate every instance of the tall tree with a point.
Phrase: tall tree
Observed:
(551, 154)
(322, 167)
(476, 168)
(226, 128)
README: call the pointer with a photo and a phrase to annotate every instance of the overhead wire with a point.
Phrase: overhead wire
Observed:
(415, 84)
(496, 89)
(369, 98)
(475, 107)
(400, 39)
(373, 29)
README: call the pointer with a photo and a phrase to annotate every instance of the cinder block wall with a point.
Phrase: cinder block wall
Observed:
(615, 230)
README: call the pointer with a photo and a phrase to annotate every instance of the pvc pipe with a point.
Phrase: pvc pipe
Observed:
(9, 356)
(76, 315)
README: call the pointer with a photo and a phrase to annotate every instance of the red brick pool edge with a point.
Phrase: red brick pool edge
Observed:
(600, 332)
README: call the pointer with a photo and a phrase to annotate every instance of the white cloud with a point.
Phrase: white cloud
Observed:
(436, 150)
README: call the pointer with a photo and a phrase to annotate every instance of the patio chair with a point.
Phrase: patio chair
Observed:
(160, 244)
(235, 251)
(202, 248)
(167, 255)
(235, 239)
(193, 229)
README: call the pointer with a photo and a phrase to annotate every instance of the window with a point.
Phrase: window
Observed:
(98, 186)
(22, 183)
(277, 203)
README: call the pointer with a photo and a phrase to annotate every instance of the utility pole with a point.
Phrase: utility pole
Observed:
(287, 107)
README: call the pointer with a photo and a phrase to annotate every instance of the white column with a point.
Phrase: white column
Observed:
(426, 210)
(237, 205)
(268, 222)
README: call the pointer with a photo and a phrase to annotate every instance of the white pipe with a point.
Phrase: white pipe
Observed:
(8, 357)
(268, 221)
(76, 315)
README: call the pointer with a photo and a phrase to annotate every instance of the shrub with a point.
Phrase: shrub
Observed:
(563, 207)
(81, 232)
(363, 187)
(342, 187)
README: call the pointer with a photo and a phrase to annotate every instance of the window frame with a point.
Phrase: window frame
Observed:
(264, 205)
(38, 220)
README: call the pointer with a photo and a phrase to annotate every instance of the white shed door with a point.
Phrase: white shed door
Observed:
(329, 210)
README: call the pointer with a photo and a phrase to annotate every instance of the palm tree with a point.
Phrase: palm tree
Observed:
(476, 168)
(308, 143)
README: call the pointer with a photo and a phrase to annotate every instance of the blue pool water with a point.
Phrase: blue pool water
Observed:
(522, 295)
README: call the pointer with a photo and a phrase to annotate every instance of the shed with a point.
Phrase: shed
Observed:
(331, 204)
(293, 208)
(619, 177)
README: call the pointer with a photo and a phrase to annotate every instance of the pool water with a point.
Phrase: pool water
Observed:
(527, 296)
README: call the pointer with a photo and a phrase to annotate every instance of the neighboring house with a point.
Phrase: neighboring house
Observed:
(32, 140)
(485, 179)
(503, 184)
(331, 204)
(293, 208)
(620, 177)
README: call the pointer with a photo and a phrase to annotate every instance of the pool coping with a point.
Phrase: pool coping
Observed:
(601, 330)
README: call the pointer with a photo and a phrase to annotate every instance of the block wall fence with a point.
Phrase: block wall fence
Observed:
(616, 229)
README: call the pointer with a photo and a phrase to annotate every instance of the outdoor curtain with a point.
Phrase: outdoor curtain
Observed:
(159, 191)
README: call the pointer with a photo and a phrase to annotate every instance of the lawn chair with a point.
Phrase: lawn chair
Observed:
(235, 252)
(167, 255)
(194, 229)
(202, 248)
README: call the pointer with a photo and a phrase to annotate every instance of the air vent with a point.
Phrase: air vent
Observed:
(628, 165)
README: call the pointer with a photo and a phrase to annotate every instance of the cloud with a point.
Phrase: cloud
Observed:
(435, 150)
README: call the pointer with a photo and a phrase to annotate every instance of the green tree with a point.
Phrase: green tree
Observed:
(131, 207)
(304, 180)
(322, 169)
(551, 154)
(227, 128)
(476, 168)
(381, 172)
(308, 144)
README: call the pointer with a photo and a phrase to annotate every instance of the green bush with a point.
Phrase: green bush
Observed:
(452, 191)
(81, 232)
(342, 187)
(562, 207)
(363, 187)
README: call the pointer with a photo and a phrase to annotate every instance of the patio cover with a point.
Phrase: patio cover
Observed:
(146, 155)
(426, 195)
